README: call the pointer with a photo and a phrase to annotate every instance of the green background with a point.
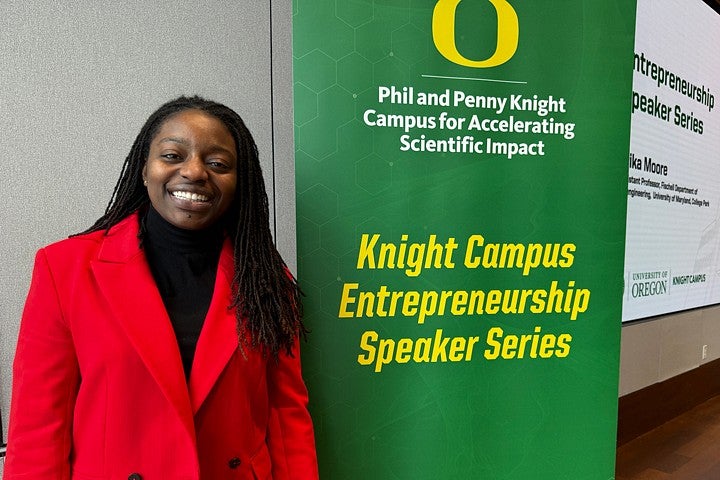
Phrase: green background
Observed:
(503, 419)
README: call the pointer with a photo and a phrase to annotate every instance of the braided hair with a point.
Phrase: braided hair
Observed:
(266, 296)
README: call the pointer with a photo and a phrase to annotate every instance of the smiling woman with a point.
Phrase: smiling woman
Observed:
(191, 170)
(163, 342)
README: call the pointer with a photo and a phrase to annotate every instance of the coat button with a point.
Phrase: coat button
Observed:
(134, 476)
(234, 462)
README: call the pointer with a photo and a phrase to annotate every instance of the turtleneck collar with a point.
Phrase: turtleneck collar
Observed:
(163, 234)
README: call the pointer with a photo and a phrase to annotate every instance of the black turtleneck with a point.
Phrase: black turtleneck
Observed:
(184, 264)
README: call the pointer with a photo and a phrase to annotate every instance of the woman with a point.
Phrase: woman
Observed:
(162, 343)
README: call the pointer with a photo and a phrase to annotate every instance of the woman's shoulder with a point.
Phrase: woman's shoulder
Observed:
(71, 247)
(79, 246)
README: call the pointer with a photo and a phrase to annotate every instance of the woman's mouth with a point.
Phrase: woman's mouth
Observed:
(193, 197)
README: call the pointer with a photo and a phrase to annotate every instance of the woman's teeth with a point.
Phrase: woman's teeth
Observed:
(194, 197)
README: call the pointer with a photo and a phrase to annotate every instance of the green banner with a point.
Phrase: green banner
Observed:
(462, 181)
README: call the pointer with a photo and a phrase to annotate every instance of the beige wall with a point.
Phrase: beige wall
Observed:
(654, 350)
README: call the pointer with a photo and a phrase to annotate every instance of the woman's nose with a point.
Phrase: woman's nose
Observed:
(193, 168)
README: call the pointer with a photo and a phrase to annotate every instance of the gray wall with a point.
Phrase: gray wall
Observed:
(77, 81)
(661, 348)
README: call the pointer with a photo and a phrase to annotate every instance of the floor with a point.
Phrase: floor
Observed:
(685, 448)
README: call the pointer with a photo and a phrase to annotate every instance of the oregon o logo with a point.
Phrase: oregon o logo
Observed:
(443, 31)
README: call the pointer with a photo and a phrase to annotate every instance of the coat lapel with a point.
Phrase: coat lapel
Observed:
(218, 339)
(126, 282)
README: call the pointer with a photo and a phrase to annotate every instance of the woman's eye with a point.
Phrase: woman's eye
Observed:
(217, 164)
(170, 156)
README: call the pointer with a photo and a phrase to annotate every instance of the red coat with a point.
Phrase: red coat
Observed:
(99, 390)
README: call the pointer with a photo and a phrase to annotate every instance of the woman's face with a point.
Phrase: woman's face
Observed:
(191, 170)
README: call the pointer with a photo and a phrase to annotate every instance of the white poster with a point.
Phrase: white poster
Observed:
(672, 257)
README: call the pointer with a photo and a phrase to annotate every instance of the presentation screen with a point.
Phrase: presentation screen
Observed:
(672, 256)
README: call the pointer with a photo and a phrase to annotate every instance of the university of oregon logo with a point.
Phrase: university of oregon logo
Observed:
(443, 31)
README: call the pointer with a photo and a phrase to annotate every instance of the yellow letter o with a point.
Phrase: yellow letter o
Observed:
(443, 30)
